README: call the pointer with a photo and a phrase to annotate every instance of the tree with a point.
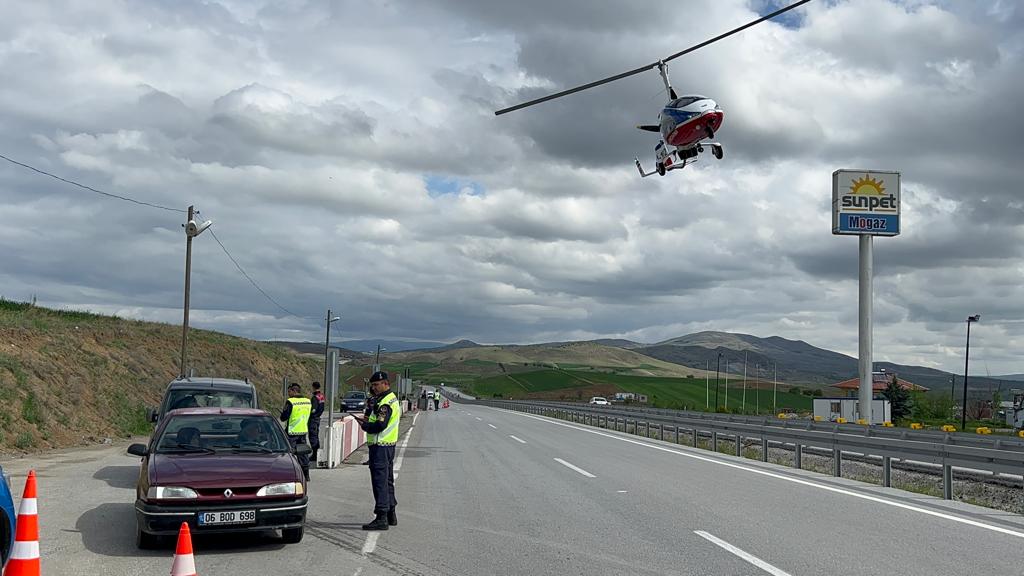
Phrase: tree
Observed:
(899, 399)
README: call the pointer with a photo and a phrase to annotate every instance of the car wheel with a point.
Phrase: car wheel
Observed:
(292, 535)
(145, 540)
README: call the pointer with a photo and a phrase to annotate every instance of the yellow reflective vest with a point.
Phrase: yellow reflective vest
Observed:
(388, 436)
(298, 421)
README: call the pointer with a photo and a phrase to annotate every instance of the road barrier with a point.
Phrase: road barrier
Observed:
(947, 449)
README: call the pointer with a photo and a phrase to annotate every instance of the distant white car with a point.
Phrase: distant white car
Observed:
(599, 400)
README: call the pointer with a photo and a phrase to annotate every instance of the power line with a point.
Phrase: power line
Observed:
(90, 188)
(249, 278)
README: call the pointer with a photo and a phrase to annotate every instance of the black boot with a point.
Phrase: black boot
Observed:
(380, 522)
(392, 518)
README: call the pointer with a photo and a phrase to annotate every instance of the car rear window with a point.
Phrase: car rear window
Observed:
(208, 398)
(221, 433)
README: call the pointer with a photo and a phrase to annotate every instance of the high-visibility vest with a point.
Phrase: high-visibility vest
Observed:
(437, 395)
(389, 435)
(298, 421)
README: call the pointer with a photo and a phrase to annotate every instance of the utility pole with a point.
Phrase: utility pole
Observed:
(191, 231)
(743, 407)
(726, 383)
(328, 368)
(718, 367)
(707, 384)
(775, 389)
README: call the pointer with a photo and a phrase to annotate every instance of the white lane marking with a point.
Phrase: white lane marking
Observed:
(479, 418)
(371, 538)
(621, 491)
(493, 426)
(877, 499)
(744, 555)
(517, 439)
(576, 468)
(358, 571)
(371, 543)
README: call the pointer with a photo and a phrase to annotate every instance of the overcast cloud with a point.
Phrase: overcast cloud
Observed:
(349, 156)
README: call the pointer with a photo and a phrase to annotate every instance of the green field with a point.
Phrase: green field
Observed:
(662, 392)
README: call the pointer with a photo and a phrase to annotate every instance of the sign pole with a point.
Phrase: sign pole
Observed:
(866, 280)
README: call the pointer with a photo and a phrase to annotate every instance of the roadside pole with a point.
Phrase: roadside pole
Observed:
(865, 204)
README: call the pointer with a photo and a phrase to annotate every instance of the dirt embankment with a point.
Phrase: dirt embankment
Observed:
(71, 378)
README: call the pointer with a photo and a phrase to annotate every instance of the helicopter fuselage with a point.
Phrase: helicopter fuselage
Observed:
(686, 120)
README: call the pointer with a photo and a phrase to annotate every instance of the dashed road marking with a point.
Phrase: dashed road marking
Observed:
(576, 468)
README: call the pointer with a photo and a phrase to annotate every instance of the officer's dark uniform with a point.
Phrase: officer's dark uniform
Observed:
(381, 437)
(317, 400)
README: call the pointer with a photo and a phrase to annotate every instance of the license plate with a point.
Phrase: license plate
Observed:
(232, 517)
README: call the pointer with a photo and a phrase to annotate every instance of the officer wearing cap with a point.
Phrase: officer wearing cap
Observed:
(381, 427)
(296, 413)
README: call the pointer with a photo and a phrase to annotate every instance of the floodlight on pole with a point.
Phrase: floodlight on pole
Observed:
(967, 358)
(327, 346)
(192, 229)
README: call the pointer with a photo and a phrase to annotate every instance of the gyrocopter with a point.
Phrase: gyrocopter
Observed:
(687, 124)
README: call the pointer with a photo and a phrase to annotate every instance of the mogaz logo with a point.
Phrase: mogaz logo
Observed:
(868, 195)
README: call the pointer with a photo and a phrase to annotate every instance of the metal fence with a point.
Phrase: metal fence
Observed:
(948, 450)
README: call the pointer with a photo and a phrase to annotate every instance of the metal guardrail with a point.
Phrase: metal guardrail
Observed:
(948, 451)
(957, 438)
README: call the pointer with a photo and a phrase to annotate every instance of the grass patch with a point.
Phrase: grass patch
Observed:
(24, 441)
(30, 410)
(14, 367)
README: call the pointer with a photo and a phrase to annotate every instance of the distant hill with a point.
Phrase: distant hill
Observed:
(798, 361)
(460, 345)
(316, 348)
(1011, 377)
(370, 346)
(569, 355)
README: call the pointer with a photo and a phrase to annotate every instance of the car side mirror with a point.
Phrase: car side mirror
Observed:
(151, 414)
(303, 449)
(138, 450)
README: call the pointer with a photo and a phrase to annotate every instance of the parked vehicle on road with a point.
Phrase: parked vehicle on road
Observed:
(354, 401)
(6, 519)
(600, 401)
(194, 392)
(220, 470)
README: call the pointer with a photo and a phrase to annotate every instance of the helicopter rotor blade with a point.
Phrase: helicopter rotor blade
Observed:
(651, 65)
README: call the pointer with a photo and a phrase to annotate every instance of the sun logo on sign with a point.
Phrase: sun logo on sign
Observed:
(867, 186)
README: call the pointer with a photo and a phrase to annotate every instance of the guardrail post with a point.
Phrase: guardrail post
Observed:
(764, 449)
(677, 434)
(887, 471)
(714, 441)
(739, 445)
(798, 456)
(837, 462)
(947, 481)
(694, 437)
(661, 431)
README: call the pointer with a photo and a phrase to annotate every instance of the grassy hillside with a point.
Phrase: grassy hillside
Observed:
(70, 378)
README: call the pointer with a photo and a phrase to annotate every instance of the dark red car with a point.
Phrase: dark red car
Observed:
(220, 470)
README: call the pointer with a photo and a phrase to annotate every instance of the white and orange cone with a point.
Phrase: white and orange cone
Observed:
(24, 559)
(184, 561)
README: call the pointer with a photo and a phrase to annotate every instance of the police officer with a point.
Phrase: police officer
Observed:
(381, 428)
(437, 398)
(317, 402)
(296, 413)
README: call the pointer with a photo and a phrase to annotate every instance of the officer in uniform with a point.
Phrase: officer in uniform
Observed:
(437, 398)
(317, 402)
(296, 413)
(381, 428)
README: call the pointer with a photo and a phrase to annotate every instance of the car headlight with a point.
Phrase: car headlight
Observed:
(171, 492)
(283, 489)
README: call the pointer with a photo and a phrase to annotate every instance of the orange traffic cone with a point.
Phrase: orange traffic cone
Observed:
(445, 403)
(184, 561)
(24, 559)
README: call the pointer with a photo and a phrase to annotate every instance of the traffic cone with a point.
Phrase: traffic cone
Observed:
(24, 559)
(184, 561)
(445, 403)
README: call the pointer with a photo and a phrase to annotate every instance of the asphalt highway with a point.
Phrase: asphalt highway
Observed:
(486, 491)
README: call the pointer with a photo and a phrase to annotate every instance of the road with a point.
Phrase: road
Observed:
(485, 491)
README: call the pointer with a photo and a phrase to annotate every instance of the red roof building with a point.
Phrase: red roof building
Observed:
(879, 382)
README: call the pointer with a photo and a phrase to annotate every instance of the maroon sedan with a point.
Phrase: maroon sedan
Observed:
(220, 470)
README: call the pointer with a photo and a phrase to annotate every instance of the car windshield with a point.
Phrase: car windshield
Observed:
(221, 433)
(184, 398)
(355, 396)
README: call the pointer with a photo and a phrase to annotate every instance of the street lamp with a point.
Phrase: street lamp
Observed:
(376, 360)
(967, 357)
(192, 229)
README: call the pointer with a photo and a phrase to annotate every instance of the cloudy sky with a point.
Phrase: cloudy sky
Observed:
(349, 156)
